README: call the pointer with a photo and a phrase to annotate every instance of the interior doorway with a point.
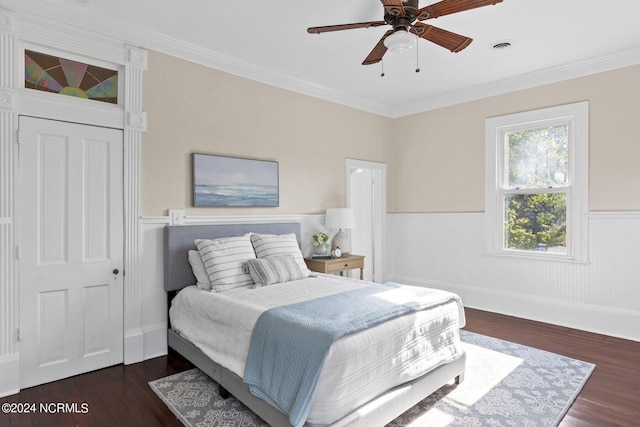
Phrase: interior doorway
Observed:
(366, 194)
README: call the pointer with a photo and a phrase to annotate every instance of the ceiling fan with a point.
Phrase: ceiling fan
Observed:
(404, 16)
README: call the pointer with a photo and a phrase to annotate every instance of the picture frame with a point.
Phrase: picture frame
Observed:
(224, 181)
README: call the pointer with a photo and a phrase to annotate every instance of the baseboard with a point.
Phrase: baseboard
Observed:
(9, 375)
(587, 317)
(155, 340)
(133, 346)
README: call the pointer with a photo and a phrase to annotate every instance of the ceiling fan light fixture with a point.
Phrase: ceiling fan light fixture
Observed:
(400, 41)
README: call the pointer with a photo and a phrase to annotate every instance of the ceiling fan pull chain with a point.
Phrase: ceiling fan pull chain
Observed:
(417, 61)
(382, 66)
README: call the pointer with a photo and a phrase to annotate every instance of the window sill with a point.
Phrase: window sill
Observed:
(541, 256)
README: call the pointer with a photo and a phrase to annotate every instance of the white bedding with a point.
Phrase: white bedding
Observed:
(358, 367)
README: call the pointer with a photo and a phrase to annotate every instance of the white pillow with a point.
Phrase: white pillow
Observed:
(268, 245)
(275, 269)
(224, 260)
(197, 265)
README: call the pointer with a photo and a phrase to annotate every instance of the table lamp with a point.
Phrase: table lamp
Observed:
(340, 218)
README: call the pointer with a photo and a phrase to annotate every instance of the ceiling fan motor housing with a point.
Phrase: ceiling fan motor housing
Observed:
(397, 18)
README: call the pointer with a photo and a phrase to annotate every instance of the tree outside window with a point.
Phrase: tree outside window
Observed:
(535, 189)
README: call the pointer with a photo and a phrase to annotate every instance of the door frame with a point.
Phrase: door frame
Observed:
(381, 213)
(26, 29)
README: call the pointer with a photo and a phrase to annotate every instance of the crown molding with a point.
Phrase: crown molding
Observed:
(154, 40)
(524, 81)
(235, 66)
(168, 45)
(197, 54)
(228, 64)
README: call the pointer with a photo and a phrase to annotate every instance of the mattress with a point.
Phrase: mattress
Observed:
(358, 367)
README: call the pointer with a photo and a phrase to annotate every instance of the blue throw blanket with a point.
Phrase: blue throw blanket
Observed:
(289, 343)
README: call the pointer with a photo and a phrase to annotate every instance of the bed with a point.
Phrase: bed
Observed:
(380, 408)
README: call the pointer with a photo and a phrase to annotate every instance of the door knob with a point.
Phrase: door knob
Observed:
(116, 271)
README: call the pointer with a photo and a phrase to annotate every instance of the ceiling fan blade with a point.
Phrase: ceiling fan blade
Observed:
(452, 41)
(393, 7)
(447, 7)
(378, 51)
(328, 28)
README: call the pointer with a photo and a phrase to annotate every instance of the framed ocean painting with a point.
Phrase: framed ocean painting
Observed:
(234, 181)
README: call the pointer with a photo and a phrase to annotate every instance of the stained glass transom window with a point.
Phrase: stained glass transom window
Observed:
(54, 74)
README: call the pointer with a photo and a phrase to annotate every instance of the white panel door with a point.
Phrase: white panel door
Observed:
(362, 236)
(71, 249)
(366, 195)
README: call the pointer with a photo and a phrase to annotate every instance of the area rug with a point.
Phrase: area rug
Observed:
(505, 384)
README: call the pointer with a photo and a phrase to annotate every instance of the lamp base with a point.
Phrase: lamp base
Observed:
(341, 240)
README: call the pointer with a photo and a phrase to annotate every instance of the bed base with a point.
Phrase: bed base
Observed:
(377, 412)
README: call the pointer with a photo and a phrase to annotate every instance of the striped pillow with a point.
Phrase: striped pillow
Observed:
(199, 270)
(268, 245)
(275, 269)
(224, 260)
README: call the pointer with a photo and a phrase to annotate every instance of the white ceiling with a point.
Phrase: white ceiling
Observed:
(267, 41)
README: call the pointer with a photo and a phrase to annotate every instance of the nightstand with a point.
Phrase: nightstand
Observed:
(334, 265)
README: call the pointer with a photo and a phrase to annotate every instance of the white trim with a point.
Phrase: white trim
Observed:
(155, 340)
(8, 100)
(6, 21)
(136, 57)
(530, 80)
(614, 214)
(133, 346)
(588, 317)
(9, 375)
(224, 219)
(9, 357)
(136, 120)
(67, 108)
(577, 115)
(241, 219)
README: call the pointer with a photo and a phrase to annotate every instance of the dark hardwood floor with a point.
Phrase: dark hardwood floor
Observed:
(120, 396)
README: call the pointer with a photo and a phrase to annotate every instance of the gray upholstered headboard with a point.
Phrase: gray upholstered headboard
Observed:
(179, 239)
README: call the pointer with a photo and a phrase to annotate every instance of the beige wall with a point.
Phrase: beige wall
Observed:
(192, 108)
(438, 161)
(435, 159)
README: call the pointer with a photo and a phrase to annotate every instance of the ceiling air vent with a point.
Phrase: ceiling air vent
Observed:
(501, 45)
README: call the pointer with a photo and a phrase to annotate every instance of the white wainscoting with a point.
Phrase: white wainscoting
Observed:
(154, 317)
(446, 250)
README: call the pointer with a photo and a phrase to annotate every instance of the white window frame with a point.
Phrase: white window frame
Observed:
(577, 117)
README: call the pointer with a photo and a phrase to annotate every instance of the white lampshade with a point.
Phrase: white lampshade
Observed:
(400, 41)
(340, 218)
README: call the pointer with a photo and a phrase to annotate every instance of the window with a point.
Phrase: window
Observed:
(537, 183)
(54, 74)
